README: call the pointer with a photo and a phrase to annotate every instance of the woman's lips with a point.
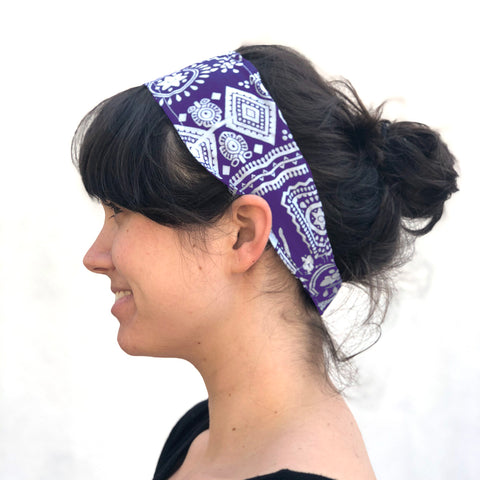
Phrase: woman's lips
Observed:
(122, 298)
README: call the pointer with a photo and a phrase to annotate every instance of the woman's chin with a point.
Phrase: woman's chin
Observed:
(128, 344)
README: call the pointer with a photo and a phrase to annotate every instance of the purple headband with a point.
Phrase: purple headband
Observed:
(232, 126)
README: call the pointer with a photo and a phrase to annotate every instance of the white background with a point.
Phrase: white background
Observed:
(72, 404)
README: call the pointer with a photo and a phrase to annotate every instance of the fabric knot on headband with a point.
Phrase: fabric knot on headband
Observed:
(229, 122)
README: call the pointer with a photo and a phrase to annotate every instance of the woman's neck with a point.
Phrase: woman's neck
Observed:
(260, 384)
(270, 407)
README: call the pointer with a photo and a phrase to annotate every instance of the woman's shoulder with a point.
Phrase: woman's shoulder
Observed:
(192, 424)
(194, 421)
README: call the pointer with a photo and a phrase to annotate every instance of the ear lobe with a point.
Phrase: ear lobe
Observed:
(252, 218)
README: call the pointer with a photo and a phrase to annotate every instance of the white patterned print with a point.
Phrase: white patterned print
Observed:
(234, 148)
(308, 263)
(180, 85)
(256, 81)
(250, 115)
(229, 62)
(202, 147)
(303, 205)
(205, 113)
(231, 125)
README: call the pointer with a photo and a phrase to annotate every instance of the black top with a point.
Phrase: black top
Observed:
(192, 424)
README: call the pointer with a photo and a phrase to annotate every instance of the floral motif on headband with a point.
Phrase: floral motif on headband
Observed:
(232, 126)
(187, 81)
(205, 113)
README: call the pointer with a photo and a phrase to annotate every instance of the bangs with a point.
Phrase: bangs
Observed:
(106, 148)
(129, 154)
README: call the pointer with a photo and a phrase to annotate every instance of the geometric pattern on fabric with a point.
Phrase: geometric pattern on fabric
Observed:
(232, 126)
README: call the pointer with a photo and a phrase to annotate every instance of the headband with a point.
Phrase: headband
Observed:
(232, 126)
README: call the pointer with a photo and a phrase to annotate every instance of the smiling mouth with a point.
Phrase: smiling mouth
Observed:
(121, 294)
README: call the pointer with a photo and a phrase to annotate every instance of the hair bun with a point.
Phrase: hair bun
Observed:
(419, 170)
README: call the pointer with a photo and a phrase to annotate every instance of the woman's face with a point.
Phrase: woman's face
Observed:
(167, 293)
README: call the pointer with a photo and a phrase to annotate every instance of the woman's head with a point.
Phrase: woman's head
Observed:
(373, 177)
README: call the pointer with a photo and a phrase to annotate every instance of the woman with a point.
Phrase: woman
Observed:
(220, 252)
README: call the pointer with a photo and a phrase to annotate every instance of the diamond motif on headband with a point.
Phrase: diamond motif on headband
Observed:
(250, 115)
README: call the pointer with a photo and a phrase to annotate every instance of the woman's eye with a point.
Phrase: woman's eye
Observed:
(116, 209)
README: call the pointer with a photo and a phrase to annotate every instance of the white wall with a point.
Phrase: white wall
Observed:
(72, 404)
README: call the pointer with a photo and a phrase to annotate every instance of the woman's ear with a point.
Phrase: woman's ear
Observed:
(251, 218)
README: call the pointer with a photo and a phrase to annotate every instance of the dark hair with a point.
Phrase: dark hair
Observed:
(375, 178)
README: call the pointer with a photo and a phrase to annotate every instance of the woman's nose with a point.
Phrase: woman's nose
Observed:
(98, 258)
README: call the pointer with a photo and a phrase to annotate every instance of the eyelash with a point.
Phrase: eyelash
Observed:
(116, 209)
